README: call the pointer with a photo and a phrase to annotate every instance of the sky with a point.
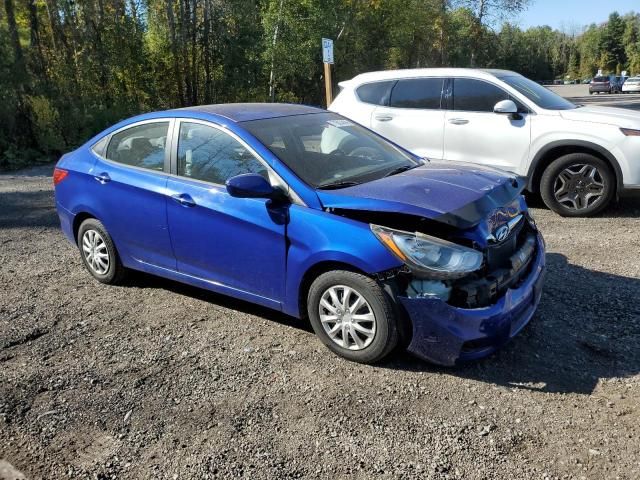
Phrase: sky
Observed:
(572, 14)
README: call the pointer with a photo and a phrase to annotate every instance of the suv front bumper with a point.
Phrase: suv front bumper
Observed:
(447, 335)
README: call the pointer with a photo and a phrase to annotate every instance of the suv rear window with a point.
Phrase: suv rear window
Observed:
(601, 79)
(425, 93)
(375, 93)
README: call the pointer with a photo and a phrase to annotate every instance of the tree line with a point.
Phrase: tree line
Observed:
(69, 68)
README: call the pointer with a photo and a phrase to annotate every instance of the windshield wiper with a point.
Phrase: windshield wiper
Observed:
(401, 169)
(340, 184)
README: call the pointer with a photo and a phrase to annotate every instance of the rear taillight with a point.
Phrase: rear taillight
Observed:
(58, 175)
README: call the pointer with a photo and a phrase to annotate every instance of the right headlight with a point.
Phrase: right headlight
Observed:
(429, 256)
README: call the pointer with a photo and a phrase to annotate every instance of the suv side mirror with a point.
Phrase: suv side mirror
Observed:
(505, 107)
(250, 185)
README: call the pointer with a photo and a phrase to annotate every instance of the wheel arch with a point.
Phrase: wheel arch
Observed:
(555, 150)
(77, 221)
(313, 272)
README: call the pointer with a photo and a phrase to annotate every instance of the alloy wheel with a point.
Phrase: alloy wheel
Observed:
(579, 186)
(95, 252)
(347, 318)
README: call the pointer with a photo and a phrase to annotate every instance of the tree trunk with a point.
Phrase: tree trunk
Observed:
(35, 42)
(194, 51)
(174, 52)
(185, 18)
(206, 52)
(18, 57)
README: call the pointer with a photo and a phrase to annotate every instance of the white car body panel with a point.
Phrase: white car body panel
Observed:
(495, 139)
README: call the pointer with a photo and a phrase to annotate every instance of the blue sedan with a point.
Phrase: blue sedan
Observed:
(309, 213)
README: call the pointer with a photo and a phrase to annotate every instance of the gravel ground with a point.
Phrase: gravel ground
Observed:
(159, 380)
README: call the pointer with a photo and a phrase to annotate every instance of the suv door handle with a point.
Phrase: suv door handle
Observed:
(383, 118)
(103, 178)
(184, 199)
(458, 121)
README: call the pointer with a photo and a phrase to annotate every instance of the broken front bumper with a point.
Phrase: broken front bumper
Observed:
(445, 335)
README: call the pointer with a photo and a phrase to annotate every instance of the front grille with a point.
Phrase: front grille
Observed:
(506, 265)
(498, 254)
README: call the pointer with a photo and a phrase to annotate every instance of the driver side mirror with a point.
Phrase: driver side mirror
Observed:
(250, 185)
(507, 107)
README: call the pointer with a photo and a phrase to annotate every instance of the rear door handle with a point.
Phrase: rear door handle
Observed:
(383, 118)
(103, 178)
(184, 199)
(458, 121)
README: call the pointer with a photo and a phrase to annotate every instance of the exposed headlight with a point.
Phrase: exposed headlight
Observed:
(428, 256)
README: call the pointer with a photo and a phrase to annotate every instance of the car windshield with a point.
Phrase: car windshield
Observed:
(541, 96)
(328, 151)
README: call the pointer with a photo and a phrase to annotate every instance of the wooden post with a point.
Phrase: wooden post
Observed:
(327, 83)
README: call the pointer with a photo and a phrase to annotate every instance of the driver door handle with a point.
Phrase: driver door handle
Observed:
(184, 199)
(103, 177)
(458, 121)
(383, 118)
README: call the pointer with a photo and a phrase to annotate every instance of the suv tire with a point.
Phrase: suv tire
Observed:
(577, 185)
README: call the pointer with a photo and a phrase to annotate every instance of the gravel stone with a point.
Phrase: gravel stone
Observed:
(224, 389)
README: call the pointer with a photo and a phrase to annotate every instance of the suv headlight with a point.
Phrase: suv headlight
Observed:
(429, 256)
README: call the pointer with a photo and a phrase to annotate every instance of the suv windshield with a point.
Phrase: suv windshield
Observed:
(541, 96)
(329, 151)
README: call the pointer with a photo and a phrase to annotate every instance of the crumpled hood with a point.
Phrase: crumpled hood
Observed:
(458, 194)
(608, 115)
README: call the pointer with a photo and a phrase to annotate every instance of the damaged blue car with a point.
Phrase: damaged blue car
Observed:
(309, 213)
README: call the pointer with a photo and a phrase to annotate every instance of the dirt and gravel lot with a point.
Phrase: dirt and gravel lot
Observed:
(159, 380)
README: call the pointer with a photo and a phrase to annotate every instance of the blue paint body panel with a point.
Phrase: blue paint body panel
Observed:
(260, 250)
(441, 331)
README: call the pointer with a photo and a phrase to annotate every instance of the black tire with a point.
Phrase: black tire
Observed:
(572, 161)
(116, 272)
(386, 328)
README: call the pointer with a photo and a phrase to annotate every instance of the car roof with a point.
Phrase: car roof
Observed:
(427, 72)
(243, 112)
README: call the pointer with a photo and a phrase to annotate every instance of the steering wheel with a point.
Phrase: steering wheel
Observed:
(337, 151)
(369, 152)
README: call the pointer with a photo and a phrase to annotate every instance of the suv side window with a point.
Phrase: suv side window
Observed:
(141, 146)
(209, 154)
(375, 93)
(476, 95)
(425, 93)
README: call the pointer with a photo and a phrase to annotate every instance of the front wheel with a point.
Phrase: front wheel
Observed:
(577, 185)
(352, 316)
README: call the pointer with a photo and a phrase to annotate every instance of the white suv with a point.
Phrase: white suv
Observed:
(579, 158)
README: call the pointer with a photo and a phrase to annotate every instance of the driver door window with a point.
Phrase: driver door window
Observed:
(470, 95)
(211, 155)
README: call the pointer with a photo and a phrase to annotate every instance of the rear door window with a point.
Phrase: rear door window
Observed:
(476, 95)
(376, 93)
(142, 146)
(423, 93)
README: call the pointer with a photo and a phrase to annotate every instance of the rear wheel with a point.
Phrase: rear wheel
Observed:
(352, 316)
(577, 185)
(98, 252)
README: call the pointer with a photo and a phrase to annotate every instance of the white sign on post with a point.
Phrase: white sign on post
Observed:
(327, 51)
